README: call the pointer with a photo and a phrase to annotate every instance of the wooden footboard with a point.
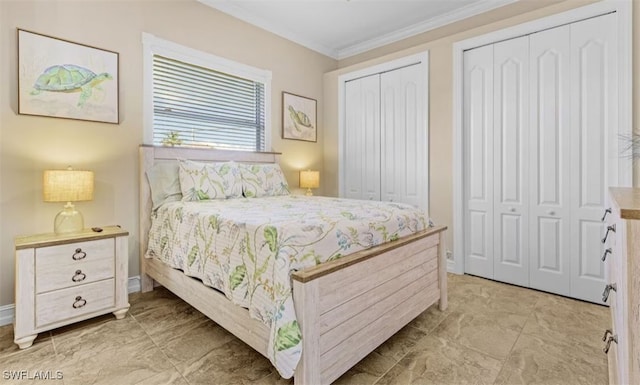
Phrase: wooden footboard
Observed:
(349, 307)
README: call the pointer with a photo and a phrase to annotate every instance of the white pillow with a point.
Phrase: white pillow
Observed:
(164, 183)
(264, 179)
(205, 181)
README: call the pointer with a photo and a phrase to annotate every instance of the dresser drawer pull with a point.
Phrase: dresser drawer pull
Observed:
(613, 338)
(609, 228)
(79, 254)
(604, 256)
(79, 276)
(607, 211)
(606, 334)
(607, 289)
(79, 302)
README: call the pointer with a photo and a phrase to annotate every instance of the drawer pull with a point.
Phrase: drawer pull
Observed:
(613, 338)
(79, 302)
(79, 254)
(609, 228)
(607, 211)
(606, 333)
(607, 289)
(79, 276)
(604, 256)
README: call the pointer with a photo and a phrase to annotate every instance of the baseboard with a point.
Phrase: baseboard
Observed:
(134, 284)
(7, 311)
(6, 314)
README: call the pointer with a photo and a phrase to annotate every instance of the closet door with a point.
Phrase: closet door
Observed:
(362, 138)
(550, 160)
(511, 159)
(593, 137)
(478, 167)
(404, 146)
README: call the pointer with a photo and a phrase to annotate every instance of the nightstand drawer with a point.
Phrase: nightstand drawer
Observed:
(70, 275)
(74, 302)
(53, 257)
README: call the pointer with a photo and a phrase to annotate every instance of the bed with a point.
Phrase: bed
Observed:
(344, 307)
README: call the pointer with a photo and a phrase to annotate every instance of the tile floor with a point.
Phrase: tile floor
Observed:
(492, 333)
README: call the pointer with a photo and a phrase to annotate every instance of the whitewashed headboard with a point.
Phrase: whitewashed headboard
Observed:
(150, 155)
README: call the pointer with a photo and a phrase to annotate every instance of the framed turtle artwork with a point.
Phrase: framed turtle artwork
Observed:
(62, 79)
(299, 118)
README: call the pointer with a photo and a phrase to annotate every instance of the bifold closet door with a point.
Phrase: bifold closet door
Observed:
(478, 167)
(594, 127)
(362, 138)
(496, 121)
(403, 130)
(550, 160)
(511, 161)
(545, 107)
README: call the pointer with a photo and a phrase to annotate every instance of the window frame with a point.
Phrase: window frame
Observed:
(152, 45)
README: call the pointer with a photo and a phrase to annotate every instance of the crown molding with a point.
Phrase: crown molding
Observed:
(424, 26)
(241, 13)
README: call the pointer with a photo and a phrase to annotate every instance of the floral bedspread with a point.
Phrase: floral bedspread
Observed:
(247, 248)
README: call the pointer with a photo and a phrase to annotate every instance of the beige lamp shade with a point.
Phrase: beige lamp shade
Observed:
(309, 179)
(67, 185)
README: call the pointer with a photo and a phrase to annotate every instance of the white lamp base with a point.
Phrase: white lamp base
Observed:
(308, 193)
(68, 220)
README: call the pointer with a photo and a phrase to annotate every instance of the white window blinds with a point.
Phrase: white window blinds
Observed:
(207, 107)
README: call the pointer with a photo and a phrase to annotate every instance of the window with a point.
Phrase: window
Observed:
(204, 99)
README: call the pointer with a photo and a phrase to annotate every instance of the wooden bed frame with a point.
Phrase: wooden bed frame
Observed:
(387, 286)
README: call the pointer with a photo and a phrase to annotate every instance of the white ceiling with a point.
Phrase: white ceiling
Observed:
(343, 28)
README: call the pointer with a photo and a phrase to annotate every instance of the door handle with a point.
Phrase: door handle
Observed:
(611, 339)
(607, 211)
(609, 228)
(604, 256)
(513, 209)
(607, 290)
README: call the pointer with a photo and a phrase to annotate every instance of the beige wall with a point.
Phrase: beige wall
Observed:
(439, 43)
(29, 145)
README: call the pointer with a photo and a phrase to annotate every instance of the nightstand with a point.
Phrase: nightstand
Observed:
(62, 279)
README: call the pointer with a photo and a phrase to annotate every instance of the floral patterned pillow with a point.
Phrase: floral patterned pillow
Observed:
(259, 180)
(205, 181)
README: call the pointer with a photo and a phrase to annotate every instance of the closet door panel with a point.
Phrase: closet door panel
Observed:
(404, 136)
(511, 150)
(478, 166)
(550, 157)
(362, 138)
(593, 128)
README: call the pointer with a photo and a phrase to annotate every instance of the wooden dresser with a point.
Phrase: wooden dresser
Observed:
(61, 279)
(621, 256)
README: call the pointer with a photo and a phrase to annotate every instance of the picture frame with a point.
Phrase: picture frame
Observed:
(299, 118)
(63, 79)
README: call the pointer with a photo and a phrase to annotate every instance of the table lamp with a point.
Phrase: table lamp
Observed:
(68, 186)
(309, 179)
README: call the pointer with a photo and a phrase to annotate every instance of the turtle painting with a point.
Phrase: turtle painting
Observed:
(300, 119)
(69, 78)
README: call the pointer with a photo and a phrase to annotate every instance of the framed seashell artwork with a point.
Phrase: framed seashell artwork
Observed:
(62, 79)
(299, 118)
